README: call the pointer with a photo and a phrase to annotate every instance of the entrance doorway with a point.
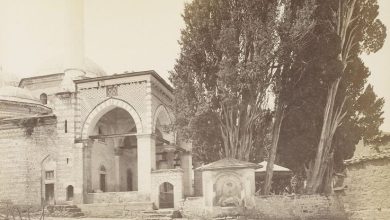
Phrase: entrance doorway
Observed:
(166, 196)
(129, 180)
(69, 193)
(49, 193)
(103, 182)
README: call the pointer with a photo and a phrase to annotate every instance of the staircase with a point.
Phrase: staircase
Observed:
(64, 211)
(161, 214)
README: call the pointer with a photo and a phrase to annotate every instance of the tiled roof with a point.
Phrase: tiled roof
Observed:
(277, 168)
(228, 163)
(378, 156)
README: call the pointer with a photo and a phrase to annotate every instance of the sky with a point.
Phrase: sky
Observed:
(125, 35)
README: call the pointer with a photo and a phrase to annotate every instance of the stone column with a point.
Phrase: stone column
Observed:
(186, 165)
(82, 171)
(118, 153)
(146, 157)
(78, 173)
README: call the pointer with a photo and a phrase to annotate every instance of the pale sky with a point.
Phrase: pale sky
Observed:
(125, 35)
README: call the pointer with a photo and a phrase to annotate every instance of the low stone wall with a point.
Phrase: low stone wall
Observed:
(300, 207)
(104, 210)
(272, 207)
(367, 195)
(192, 207)
(116, 197)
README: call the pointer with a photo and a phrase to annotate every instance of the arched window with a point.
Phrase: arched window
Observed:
(102, 177)
(43, 98)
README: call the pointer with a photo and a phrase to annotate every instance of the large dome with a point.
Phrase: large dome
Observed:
(16, 94)
(56, 65)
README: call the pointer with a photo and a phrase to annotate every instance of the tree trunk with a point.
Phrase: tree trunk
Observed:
(316, 172)
(279, 115)
(237, 130)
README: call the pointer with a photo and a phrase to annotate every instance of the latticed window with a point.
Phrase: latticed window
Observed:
(111, 91)
(50, 175)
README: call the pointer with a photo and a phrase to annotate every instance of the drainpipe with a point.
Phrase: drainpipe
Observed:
(43, 160)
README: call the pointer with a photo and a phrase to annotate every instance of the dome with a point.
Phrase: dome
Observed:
(16, 94)
(56, 65)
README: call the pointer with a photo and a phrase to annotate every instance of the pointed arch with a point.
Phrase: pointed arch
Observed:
(161, 112)
(104, 107)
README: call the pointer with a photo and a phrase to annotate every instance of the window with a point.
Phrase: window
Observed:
(43, 98)
(66, 126)
(50, 175)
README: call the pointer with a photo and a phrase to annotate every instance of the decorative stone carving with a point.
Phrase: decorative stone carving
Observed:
(228, 191)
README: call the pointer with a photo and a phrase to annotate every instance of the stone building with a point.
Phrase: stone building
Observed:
(111, 134)
(74, 134)
(368, 177)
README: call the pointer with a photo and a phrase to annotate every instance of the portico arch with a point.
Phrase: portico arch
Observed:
(161, 121)
(161, 114)
(105, 107)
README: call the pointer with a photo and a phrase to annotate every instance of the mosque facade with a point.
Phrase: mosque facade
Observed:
(69, 138)
(74, 134)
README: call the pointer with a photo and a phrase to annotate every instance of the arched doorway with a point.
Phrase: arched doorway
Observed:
(102, 178)
(166, 196)
(69, 193)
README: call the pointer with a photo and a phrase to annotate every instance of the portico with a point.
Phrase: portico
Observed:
(126, 139)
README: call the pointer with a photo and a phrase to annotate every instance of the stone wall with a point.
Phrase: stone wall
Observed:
(21, 157)
(272, 207)
(102, 154)
(116, 197)
(367, 195)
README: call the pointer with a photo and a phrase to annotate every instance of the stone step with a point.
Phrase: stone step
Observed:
(157, 218)
(64, 211)
(166, 211)
(77, 214)
(71, 209)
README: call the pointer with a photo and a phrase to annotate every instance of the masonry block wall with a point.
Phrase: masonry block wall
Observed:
(288, 207)
(21, 157)
(367, 195)
(64, 109)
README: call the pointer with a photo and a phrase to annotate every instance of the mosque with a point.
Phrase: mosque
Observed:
(74, 134)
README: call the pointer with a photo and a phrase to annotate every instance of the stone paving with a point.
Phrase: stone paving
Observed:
(61, 218)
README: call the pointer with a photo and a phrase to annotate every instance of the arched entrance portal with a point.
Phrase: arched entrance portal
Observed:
(114, 147)
(166, 196)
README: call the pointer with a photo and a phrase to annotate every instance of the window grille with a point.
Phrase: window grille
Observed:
(50, 175)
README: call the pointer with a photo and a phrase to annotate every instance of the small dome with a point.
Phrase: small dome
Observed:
(56, 65)
(12, 93)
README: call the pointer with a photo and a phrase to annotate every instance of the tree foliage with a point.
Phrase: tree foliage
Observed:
(224, 72)
(234, 54)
